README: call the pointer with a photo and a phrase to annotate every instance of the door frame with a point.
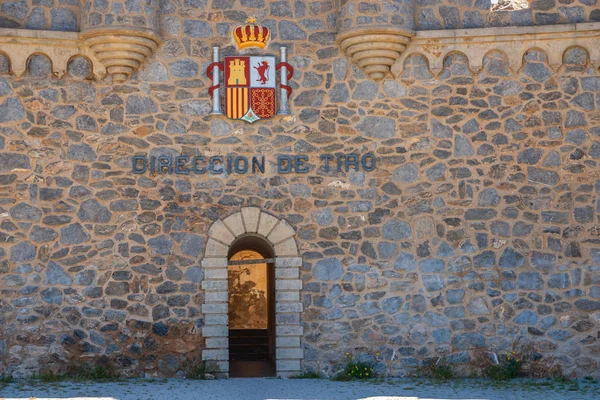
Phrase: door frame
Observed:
(252, 221)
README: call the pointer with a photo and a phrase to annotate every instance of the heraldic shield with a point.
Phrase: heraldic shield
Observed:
(250, 81)
(250, 84)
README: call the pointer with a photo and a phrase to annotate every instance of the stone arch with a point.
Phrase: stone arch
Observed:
(495, 62)
(416, 66)
(80, 67)
(252, 221)
(39, 65)
(455, 63)
(576, 55)
(5, 63)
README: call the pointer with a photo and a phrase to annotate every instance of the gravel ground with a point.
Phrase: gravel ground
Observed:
(304, 389)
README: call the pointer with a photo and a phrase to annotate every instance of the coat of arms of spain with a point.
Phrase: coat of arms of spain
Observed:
(250, 90)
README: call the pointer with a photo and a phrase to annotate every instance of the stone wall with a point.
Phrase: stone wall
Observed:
(40, 14)
(450, 14)
(477, 230)
(130, 13)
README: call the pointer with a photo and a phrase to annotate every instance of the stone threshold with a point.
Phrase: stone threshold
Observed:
(513, 41)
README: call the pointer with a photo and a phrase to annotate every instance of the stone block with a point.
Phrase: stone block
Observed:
(288, 284)
(287, 341)
(292, 295)
(287, 365)
(216, 354)
(218, 285)
(235, 223)
(287, 318)
(216, 319)
(216, 249)
(288, 262)
(215, 331)
(217, 342)
(216, 297)
(214, 273)
(287, 248)
(290, 353)
(219, 231)
(287, 374)
(289, 330)
(287, 273)
(251, 216)
(215, 262)
(266, 224)
(281, 232)
(288, 307)
(214, 308)
(224, 367)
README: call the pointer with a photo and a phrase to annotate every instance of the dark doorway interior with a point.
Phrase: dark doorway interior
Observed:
(251, 276)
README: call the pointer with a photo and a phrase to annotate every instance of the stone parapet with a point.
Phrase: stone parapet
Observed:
(512, 42)
(60, 47)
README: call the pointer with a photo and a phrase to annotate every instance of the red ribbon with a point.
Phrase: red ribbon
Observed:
(209, 72)
(290, 73)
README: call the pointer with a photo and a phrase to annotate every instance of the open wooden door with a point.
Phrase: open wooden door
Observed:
(251, 277)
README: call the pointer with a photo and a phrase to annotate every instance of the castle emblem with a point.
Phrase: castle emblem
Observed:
(251, 86)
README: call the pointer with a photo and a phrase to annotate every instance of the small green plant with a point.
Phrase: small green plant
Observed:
(354, 369)
(101, 372)
(200, 371)
(562, 379)
(441, 370)
(5, 380)
(50, 377)
(310, 374)
(508, 367)
(103, 369)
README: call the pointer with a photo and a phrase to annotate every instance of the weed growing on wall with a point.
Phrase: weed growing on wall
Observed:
(307, 375)
(354, 369)
(441, 370)
(5, 380)
(509, 367)
(203, 370)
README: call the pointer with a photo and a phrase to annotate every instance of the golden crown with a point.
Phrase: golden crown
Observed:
(251, 35)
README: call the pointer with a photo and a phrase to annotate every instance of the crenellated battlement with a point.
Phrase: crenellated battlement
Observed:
(374, 34)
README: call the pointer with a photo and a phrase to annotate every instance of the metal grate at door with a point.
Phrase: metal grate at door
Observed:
(247, 262)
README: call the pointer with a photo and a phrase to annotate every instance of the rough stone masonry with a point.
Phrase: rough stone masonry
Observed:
(478, 229)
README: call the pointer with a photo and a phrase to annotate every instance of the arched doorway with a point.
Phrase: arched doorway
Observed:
(273, 238)
(251, 306)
